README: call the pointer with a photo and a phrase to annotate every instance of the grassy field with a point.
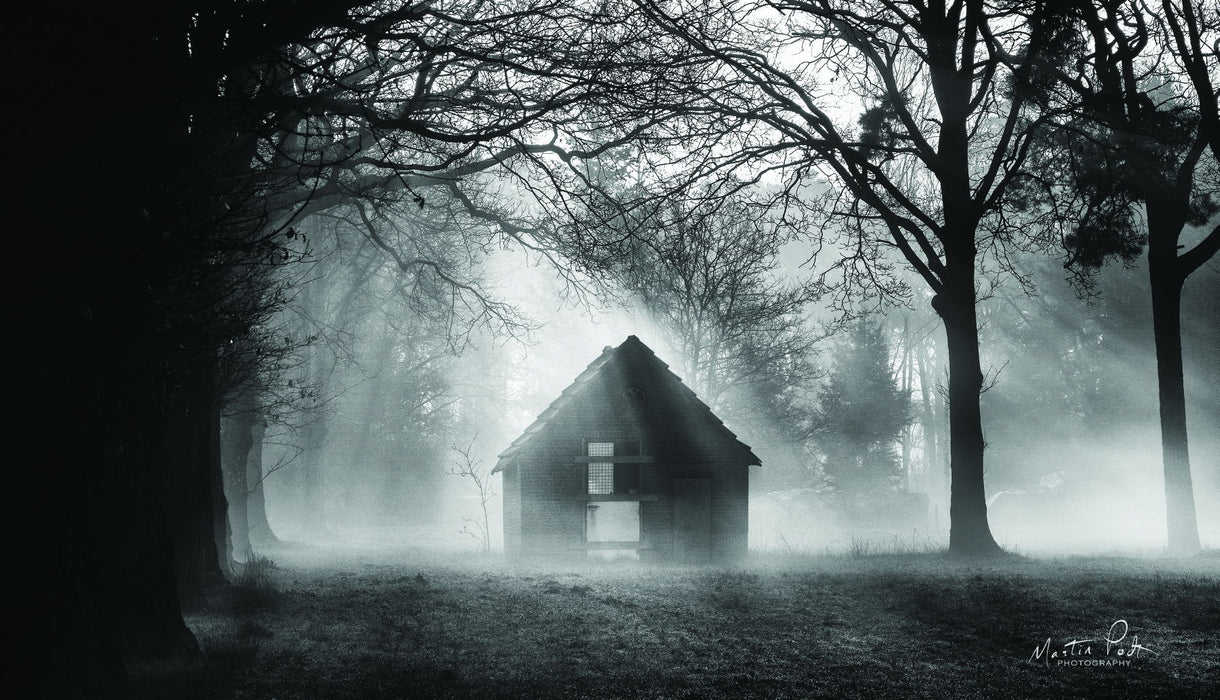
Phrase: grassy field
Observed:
(329, 623)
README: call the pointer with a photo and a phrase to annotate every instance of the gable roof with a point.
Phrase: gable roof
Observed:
(632, 353)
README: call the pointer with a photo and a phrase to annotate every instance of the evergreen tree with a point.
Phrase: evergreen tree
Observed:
(862, 413)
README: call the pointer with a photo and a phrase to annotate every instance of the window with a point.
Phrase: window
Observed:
(613, 477)
(601, 474)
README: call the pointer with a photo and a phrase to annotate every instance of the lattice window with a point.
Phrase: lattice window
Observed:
(601, 449)
(601, 474)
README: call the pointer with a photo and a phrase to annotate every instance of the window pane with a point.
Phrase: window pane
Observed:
(601, 477)
(601, 449)
(601, 474)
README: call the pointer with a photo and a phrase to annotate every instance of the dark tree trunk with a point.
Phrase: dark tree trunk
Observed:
(106, 583)
(101, 561)
(1180, 514)
(236, 444)
(969, 532)
(956, 302)
(241, 457)
(105, 590)
(257, 525)
(196, 488)
(222, 531)
(130, 490)
(143, 567)
(1167, 204)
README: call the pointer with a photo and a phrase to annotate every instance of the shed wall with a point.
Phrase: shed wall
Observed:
(511, 487)
(548, 516)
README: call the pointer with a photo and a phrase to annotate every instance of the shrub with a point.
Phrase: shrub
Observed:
(254, 587)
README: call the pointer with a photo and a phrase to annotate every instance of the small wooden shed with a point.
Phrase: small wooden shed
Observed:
(627, 460)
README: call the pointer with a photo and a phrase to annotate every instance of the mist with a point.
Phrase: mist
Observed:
(639, 348)
(1073, 469)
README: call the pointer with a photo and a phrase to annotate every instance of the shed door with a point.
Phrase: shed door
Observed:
(692, 518)
(612, 521)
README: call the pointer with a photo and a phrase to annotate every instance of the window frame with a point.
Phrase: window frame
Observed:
(626, 460)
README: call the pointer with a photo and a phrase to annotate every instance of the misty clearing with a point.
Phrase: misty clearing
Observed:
(604, 348)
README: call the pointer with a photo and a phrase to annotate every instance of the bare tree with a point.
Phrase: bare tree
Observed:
(473, 469)
(709, 276)
(213, 129)
(902, 108)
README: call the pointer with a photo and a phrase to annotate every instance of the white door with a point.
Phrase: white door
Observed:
(612, 521)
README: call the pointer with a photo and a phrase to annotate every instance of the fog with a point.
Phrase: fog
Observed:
(1070, 417)
(654, 348)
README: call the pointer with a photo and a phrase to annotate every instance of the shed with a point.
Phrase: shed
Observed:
(627, 460)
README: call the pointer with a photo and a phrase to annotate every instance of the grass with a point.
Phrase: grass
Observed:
(856, 625)
(254, 589)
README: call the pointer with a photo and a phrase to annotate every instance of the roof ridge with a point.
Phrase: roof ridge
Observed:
(608, 353)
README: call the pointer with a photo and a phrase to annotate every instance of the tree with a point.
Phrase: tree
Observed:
(708, 274)
(380, 370)
(471, 468)
(256, 390)
(862, 412)
(707, 271)
(901, 106)
(1143, 158)
(211, 129)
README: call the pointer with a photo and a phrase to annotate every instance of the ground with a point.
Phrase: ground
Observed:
(336, 623)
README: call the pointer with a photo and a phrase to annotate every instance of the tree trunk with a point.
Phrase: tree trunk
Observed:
(257, 526)
(930, 424)
(222, 532)
(907, 428)
(109, 584)
(1180, 514)
(196, 489)
(107, 371)
(308, 475)
(969, 532)
(236, 444)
